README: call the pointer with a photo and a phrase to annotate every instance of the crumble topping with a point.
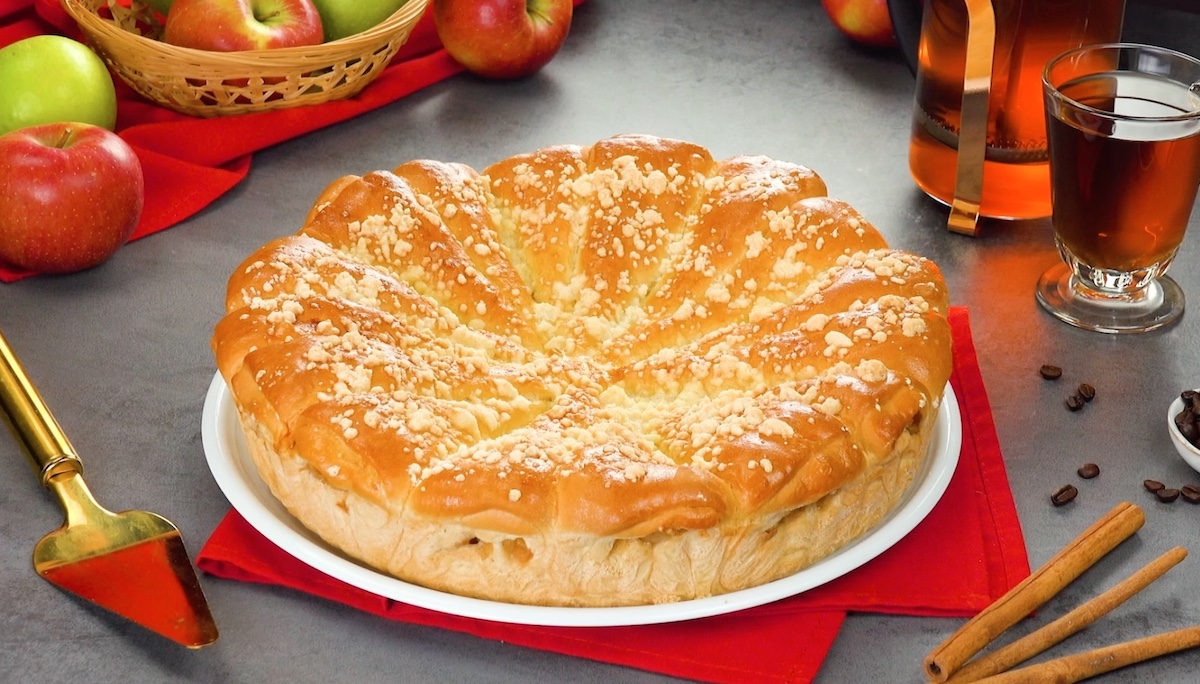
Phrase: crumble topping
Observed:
(579, 312)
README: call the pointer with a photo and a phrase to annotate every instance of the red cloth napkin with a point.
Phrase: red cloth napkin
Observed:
(973, 530)
(189, 162)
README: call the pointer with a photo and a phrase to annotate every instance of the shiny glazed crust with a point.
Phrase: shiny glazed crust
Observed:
(589, 376)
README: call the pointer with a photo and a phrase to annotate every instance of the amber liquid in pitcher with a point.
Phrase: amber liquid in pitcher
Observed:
(1016, 181)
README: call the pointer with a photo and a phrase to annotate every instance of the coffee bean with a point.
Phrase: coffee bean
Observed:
(1088, 470)
(1189, 425)
(1167, 494)
(1188, 420)
(1153, 485)
(1064, 495)
(1190, 494)
(1074, 402)
(1087, 392)
(1050, 372)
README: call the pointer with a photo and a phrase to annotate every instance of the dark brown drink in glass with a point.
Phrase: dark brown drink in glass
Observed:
(1122, 197)
(1124, 140)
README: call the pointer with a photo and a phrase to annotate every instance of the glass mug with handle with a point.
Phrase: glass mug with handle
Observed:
(978, 133)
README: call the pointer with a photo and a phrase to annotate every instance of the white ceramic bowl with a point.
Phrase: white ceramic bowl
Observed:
(1189, 453)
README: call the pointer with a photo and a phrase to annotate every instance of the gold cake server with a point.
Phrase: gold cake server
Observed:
(132, 563)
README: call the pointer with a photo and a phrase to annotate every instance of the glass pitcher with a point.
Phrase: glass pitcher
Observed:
(971, 129)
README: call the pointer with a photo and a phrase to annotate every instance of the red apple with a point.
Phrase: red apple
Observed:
(236, 25)
(864, 21)
(502, 38)
(70, 195)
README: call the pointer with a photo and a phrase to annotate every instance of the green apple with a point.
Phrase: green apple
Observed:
(160, 6)
(51, 79)
(343, 18)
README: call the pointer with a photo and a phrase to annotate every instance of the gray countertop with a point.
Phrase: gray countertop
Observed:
(121, 352)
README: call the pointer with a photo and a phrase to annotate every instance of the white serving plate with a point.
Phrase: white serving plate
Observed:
(236, 475)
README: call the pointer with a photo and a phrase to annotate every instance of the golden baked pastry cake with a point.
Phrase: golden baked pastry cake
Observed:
(619, 374)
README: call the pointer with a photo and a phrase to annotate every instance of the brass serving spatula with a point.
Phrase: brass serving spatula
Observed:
(132, 563)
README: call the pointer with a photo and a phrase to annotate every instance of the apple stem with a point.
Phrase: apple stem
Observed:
(535, 12)
(64, 138)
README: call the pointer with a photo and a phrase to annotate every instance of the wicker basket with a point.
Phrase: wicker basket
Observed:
(205, 83)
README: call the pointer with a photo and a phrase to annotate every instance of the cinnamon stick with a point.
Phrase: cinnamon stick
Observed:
(1081, 666)
(1036, 642)
(1103, 536)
